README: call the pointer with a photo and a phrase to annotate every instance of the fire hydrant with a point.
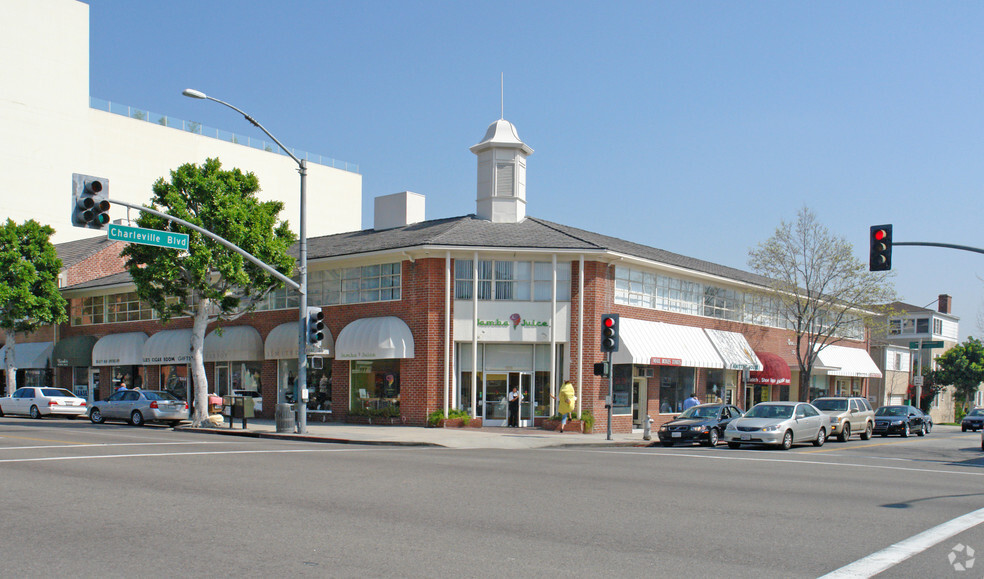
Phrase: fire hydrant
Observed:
(647, 428)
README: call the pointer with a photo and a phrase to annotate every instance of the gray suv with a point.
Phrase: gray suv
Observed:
(848, 414)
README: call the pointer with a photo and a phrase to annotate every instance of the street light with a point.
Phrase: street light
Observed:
(300, 383)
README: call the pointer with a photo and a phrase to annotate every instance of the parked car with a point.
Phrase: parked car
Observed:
(902, 419)
(704, 423)
(39, 402)
(848, 414)
(139, 407)
(257, 399)
(780, 424)
(973, 421)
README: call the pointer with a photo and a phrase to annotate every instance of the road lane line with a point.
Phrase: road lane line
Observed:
(891, 556)
(781, 460)
(203, 453)
(105, 444)
(45, 440)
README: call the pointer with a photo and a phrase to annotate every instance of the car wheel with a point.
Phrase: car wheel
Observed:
(963, 429)
(666, 443)
(738, 445)
(922, 430)
(821, 438)
(787, 440)
(867, 431)
(905, 430)
(845, 432)
(96, 416)
(929, 428)
(35, 413)
(136, 418)
(713, 437)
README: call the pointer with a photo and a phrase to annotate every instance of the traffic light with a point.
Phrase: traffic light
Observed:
(601, 369)
(90, 203)
(315, 326)
(609, 333)
(881, 248)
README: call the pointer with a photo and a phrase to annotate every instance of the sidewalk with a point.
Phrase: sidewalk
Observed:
(487, 437)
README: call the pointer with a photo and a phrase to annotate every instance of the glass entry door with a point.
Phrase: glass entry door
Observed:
(496, 406)
(524, 382)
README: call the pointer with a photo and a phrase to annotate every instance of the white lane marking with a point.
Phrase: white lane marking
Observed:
(107, 444)
(786, 460)
(203, 453)
(893, 555)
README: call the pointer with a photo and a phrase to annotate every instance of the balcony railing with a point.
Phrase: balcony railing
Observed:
(206, 131)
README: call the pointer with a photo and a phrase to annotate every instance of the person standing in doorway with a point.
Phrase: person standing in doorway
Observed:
(513, 399)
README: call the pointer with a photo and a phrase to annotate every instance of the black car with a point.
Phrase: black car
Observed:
(973, 421)
(703, 423)
(902, 419)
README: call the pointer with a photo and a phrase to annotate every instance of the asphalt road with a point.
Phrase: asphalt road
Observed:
(112, 500)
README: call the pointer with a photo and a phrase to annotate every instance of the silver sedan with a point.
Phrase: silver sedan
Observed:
(779, 424)
(139, 407)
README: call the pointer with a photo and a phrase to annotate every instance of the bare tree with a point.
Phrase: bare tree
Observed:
(823, 293)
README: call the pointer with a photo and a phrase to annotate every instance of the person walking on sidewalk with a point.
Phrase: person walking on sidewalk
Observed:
(565, 403)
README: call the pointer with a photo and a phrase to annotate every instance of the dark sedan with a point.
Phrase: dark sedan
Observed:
(902, 419)
(703, 423)
(973, 421)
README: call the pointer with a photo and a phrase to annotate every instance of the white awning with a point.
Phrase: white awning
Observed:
(734, 350)
(119, 349)
(661, 344)
(236, 344)
(841, 361)
(375, 339)
(29, 355)
(168, 347)
(281, 343)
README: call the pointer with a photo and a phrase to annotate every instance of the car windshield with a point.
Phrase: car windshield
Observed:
(890, 411)
(701, 412)
(155, 395)
(770, 411)
(976, 412)
(830, 404)
(56, 392)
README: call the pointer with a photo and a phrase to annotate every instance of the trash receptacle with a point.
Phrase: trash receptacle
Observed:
(285, 418)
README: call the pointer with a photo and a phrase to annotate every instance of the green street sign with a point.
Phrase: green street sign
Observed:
(926, 345)
(147, 236)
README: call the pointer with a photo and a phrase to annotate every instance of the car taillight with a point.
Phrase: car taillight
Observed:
(52, 403)
(82, 403)
(186, 406)
(153, 404)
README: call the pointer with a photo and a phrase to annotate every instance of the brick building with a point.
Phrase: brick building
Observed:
(426, 315)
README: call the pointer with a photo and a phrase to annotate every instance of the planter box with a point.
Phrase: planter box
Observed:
(375, 420)
(460, 423)
(572, 426)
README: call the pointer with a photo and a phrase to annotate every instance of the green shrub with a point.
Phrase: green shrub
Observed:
(435, 418)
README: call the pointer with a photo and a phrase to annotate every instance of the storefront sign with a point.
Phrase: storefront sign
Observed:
(514, 321)
(665, 362)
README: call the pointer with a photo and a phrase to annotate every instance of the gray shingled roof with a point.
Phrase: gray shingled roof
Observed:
(470, 231)
(74, 252)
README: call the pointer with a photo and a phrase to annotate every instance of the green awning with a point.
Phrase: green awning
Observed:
(74, 351)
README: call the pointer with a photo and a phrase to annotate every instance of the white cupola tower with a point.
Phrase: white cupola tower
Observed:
(501, 174)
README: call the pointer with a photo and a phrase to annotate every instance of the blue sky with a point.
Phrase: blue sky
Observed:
(695, 127)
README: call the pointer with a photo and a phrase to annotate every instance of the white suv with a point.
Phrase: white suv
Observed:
(848, 414)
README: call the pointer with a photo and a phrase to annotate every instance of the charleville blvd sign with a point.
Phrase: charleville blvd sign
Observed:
(147, 236)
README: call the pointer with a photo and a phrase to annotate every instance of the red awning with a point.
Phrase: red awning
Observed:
(775, 370)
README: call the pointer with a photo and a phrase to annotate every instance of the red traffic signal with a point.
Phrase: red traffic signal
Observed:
(880, 256)
(609, 333)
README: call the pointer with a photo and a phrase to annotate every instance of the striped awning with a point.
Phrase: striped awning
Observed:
(235, 344)
(119, 349)
(380, 338)
(842, 361)
(662, 344)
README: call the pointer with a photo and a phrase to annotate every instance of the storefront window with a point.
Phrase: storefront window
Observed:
(174, 380)
(676, 384)
(714, 386)
(318, 384)
(818, 386)
(622, 389)
(374, 384)
(233, 376)
(132, 376)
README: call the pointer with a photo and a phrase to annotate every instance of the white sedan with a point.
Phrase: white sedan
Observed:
(779, 424)
(38, 402)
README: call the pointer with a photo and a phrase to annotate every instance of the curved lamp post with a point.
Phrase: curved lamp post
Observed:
(300, 384)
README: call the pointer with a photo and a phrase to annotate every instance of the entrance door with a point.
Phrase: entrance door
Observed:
(496, 407)
(222, 379)
(524, 381)
(93, 385)
(639, 399)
